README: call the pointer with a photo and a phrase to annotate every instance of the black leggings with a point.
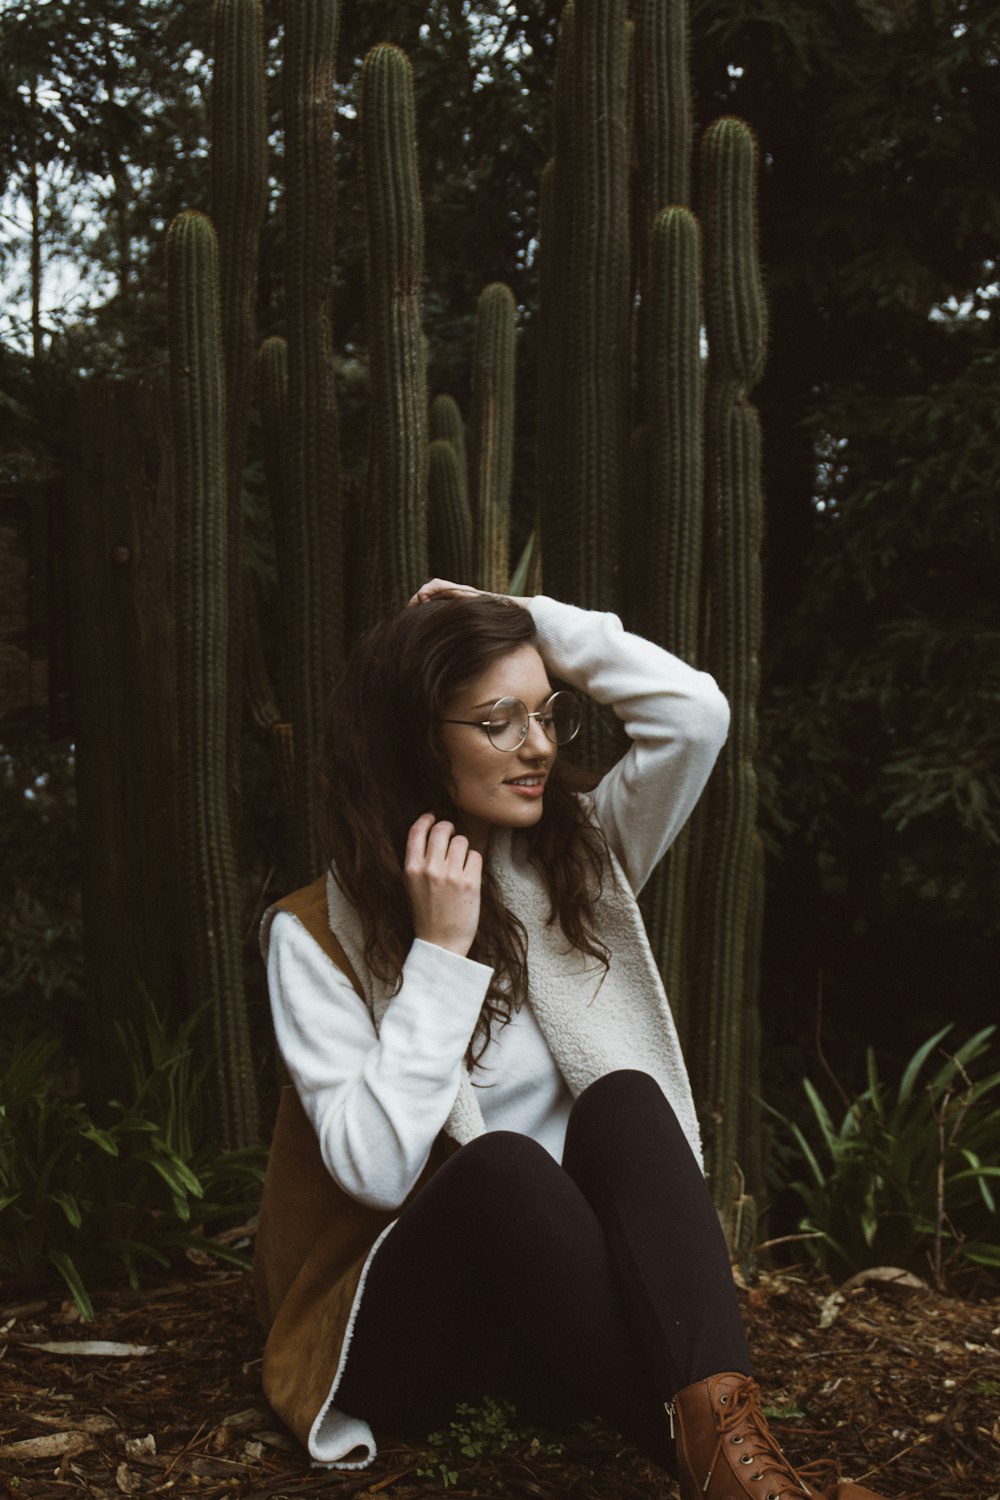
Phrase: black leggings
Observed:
(598, 1288)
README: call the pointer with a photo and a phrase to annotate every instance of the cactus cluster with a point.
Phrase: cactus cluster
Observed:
(648, 462)
(647, 457)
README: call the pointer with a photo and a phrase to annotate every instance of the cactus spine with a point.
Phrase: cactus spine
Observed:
(396, 501)
(725, 901)
(493, 435)
(198, 418)
(312, 495)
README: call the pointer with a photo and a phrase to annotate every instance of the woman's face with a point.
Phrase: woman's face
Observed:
(499, 788)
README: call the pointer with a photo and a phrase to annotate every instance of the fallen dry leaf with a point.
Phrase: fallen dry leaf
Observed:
(103, 1347)
(51, 1445)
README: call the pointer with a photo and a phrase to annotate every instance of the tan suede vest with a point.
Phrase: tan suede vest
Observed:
(312, 1238)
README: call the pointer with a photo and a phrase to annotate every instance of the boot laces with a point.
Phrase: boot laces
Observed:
(742, 1410)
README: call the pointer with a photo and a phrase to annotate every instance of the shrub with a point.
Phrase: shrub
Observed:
(907, 1176)
(82, 1198)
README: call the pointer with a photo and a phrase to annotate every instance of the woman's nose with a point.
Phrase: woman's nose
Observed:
(536, 742)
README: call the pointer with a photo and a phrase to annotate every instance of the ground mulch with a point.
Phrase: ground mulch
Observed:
(901, 1383)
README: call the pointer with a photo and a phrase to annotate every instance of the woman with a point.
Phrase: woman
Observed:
(487, 1179)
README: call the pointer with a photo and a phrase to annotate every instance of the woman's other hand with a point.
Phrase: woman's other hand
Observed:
(443, 877)
(442, 588)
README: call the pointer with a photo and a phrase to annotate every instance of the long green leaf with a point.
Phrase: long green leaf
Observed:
(69, 1206)
(917, 1061)
(66, 1267)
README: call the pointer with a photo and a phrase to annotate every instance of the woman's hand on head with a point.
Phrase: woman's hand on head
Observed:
(443, 879)
(442, 588)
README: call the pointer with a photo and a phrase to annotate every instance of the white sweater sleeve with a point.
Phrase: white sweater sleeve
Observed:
(675, 716)
(376, 1101)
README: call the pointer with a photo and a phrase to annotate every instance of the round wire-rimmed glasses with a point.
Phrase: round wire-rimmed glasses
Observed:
(509, 720)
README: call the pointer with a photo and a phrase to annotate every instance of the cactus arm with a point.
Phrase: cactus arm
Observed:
(398, 461)
(493, 435)
(312, 494)
(198, 420)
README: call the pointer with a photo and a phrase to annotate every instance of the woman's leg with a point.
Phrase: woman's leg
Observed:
(631, 1160)
(497, 1280)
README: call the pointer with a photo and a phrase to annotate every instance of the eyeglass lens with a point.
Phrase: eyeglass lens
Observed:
(509, 721)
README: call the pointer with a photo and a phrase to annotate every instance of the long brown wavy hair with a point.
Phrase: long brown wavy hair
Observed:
(385, 763)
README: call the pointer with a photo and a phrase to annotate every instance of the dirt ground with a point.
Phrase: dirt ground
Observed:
(902, 1385)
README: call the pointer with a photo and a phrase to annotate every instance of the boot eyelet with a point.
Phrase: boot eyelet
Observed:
(772, 1495)
(723, 1400)
(759, 1475)
(736, 1439)
(747, 1458)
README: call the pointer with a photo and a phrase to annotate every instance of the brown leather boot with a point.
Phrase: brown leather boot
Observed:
(726, 1451)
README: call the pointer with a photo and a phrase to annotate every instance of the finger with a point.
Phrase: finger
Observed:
(416, 839)
(458, 849)
(442, 588)
(439, 839)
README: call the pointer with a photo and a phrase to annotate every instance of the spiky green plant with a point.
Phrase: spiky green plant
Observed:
(396, 491)
(447, 424)
(314, 580)
(591, 318)
(671, 523)
(736, 321)
(449, 524)
(493, 435)
(209, 889)
(239, 199)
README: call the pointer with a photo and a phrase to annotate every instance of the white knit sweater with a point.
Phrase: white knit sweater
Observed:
(379, 1081)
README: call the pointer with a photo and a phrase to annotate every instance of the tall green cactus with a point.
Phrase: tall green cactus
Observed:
(314, 647)
(449, 524)
(198, 417)
(493, 435)
(595, 333)
(690, 574)
(239, 198)
(670, 585)
(396, 499)
(447, 424)
(736, 322)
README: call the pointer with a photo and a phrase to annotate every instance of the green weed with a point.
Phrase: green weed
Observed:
(906, 1176)
(79, 1198)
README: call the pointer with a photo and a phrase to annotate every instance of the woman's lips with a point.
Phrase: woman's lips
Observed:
(534, 790)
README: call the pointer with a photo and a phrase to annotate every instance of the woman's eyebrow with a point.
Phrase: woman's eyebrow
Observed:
(490, 701)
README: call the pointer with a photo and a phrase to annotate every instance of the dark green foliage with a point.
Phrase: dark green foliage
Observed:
(449, 525)
(493, 364)
(89, 1201)
(311, 496)
(905, 1176)
(209, 888)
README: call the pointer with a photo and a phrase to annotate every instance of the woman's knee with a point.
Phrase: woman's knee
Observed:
(626, 1087)
(498, 1169)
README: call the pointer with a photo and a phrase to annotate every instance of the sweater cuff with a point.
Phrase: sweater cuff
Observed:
(441, 996)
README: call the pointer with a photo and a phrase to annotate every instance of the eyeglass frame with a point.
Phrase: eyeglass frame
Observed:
(538, 713)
